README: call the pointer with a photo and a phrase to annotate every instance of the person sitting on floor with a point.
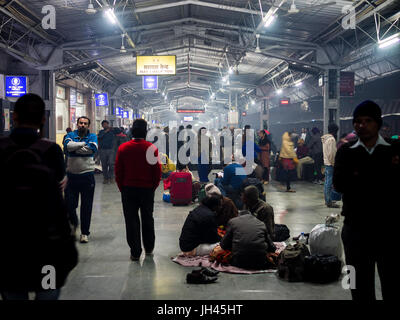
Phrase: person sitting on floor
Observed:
(247, 238)
(183, 168)
(303, 156)
(261, 210)
(231, 182)
(226, 211)
(167, 166)
(199, 232)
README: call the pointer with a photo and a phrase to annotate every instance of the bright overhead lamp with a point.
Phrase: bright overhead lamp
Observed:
(253, 102)
(111, 16)
(230, 70)
(279, 91)
(298, 84)
(269, 20)
(389, 41)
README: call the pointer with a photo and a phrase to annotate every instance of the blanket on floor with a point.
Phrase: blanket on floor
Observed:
(204, 261)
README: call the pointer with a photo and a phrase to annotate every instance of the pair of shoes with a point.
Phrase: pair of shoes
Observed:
(321, 182)
(266, 182)
(199, 277)
(290, 190)
(105, 181)
(84, 238)
(110, 181)
(135, 258)
(206, 271)
(332, 205)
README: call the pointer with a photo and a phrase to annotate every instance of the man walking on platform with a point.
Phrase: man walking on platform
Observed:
(106, 139)
(137, 178)
(81, 146)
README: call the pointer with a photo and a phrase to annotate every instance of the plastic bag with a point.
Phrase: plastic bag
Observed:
(326, 240)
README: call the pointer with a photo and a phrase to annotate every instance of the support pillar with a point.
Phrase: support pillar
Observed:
(48, 93)
(331, 98)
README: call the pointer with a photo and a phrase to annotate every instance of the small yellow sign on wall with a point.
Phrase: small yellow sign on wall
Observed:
(155, 65)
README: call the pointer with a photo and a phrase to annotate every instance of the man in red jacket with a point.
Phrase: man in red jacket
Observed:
(137, 179)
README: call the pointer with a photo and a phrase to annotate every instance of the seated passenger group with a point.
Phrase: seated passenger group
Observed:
(216, 223)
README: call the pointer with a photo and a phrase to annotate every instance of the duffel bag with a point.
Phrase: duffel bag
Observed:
(291, 262)
(322, 268)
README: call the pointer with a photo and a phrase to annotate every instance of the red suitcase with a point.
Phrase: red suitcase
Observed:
(181, 188)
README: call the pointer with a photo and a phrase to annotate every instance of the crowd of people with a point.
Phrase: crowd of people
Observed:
(362, 168)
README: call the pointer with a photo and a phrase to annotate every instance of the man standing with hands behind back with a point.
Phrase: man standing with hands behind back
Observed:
(367, 172)
(137, 179)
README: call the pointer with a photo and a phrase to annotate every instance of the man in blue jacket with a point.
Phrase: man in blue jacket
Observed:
(81, 145)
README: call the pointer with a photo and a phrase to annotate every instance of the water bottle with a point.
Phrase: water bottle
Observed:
(302, 238)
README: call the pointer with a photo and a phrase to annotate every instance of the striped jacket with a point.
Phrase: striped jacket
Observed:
(80, 151)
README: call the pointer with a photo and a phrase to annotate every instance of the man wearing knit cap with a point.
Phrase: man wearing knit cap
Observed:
(212, 190)
(367, 172)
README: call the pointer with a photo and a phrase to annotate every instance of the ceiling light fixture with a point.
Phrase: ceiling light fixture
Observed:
(122, 50)
(293, 8)
(109, 13)
(91, 9)
(279, 91)
(258, 44)
(269, 20)
(389, 41)
(298, 84)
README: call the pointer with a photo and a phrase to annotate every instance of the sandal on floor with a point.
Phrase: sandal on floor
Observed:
(291, 190)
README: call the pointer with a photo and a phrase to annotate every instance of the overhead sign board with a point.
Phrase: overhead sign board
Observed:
(125, 114)
(155, 65)
(101, 99)
(15, 86)
(284, 102)
(118, 111)
(346, 84)
(72, 97)
(190, 110)
(187, 118)
(150, 82)
(233, 117)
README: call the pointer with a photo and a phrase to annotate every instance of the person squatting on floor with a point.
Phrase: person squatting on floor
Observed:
(33, 206)
(137, 179)
(367, 173)
(81, 147)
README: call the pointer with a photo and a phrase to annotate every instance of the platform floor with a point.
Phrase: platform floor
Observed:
(106, 272)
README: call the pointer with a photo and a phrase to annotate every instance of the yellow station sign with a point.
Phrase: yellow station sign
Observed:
(155, 65)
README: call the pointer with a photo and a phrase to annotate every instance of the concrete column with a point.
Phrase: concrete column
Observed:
(264, 115)
(331, 98)
(48, 93)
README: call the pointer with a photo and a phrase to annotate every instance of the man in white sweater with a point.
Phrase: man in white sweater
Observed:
(329, 151)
